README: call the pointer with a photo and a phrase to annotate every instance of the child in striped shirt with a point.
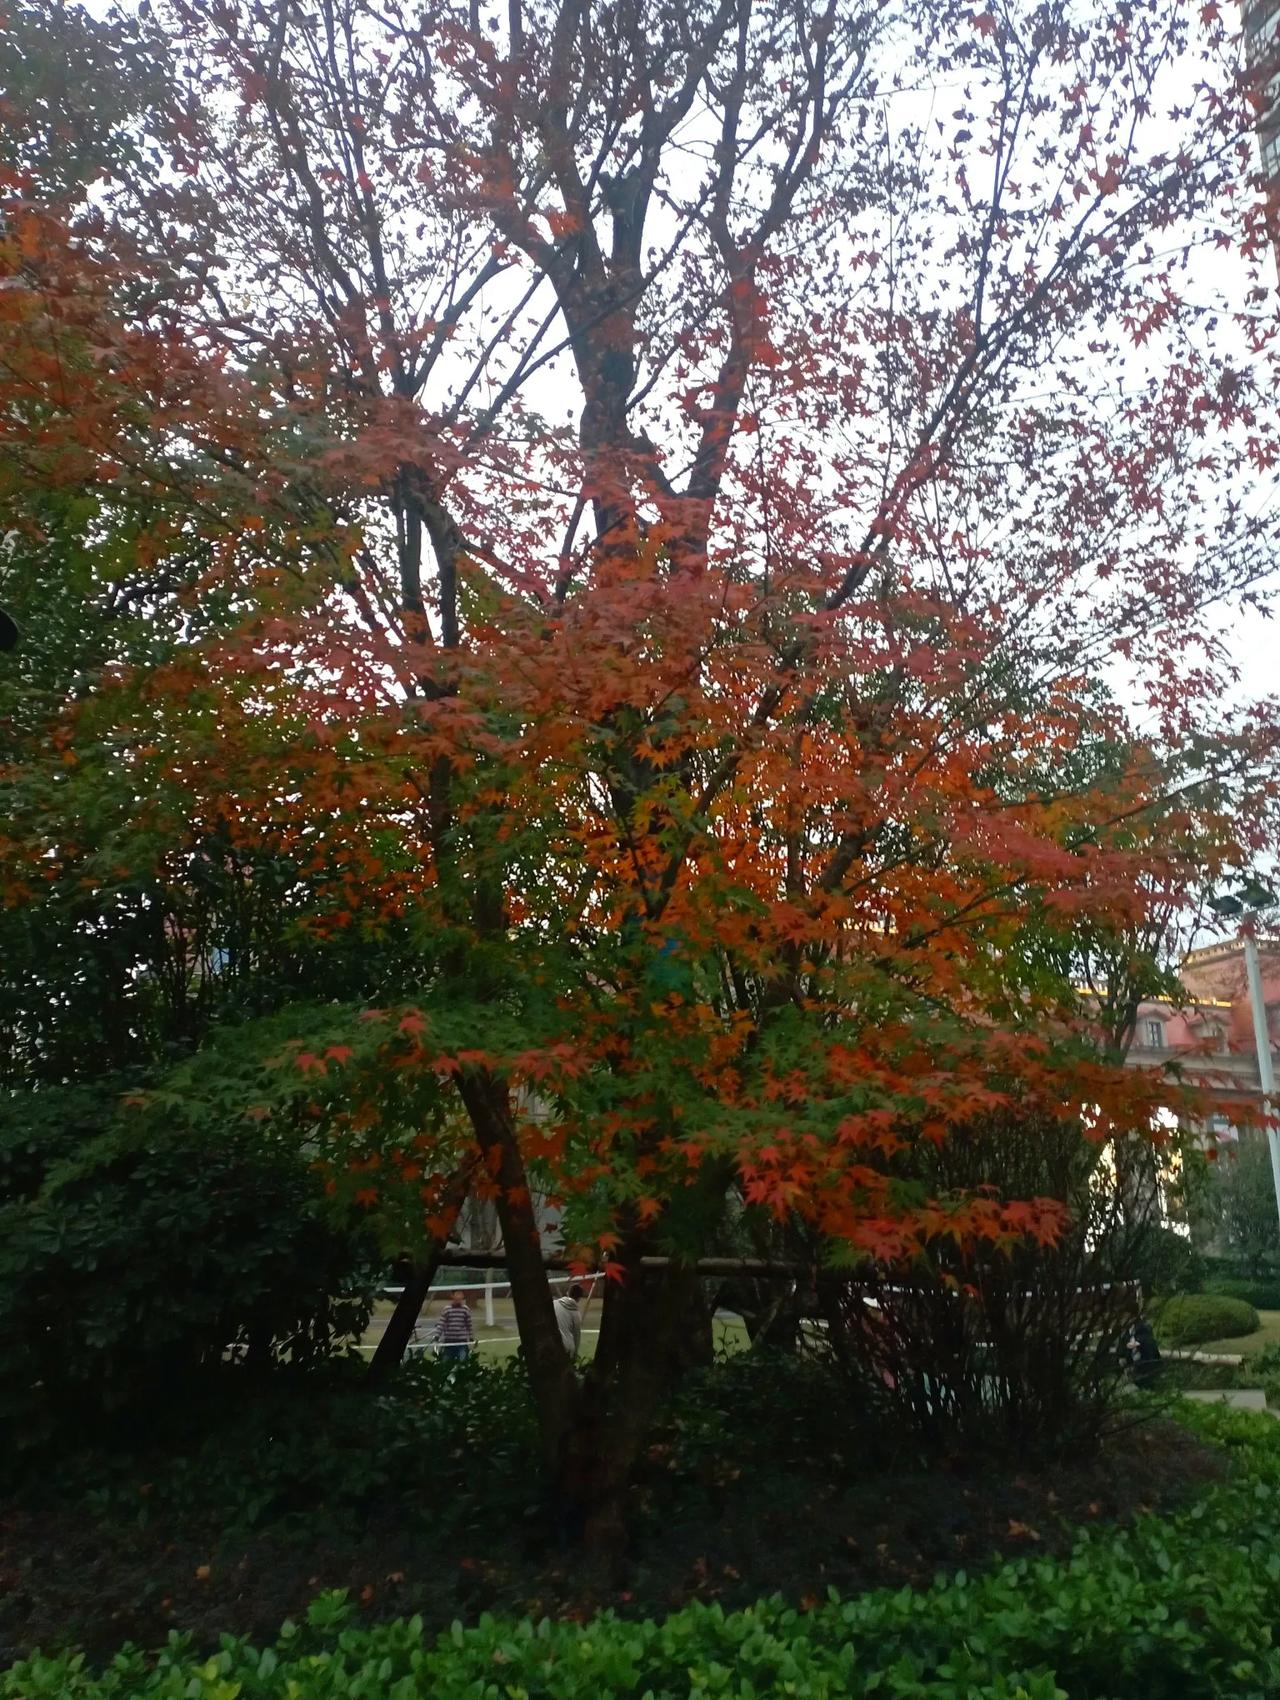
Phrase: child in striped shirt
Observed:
(455, 1332)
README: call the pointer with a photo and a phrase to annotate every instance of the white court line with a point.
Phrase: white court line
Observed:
(487, 1340)
(482, 1286)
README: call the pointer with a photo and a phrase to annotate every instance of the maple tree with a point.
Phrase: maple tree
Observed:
(636, 501)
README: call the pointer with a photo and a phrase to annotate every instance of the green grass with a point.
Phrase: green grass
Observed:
(1246, 1344)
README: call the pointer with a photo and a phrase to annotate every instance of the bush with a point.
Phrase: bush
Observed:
(761, 1414)
(135, 1254)
(1192, 1318)
(457, 1445)
(1177, 1608)
(318, 1448)
(985, 1345)
(1262, 1293)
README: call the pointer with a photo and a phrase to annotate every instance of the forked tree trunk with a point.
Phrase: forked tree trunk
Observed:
(644, 1345)
(654, 1324)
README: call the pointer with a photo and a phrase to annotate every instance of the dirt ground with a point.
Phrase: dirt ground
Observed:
(66, 1577)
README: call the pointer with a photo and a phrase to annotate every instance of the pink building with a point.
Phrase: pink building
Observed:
(1261, 20)
(1211, 1035)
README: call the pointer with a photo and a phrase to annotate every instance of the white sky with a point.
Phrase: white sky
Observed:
(1252, 641)
(1255, 644)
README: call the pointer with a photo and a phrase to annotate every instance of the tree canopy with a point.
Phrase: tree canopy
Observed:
(612, 540)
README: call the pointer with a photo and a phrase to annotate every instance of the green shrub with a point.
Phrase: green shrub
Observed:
(1192, 1318)
(456, 1445)
(764, 1410)
(135, 1253)
(304, 1451)
(1262, 1293)
(1177, 1608)
(1245, 1198)
(1235, 1268)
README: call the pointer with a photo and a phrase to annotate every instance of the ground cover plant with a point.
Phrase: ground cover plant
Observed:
(760, 1476)
(1176, 1607)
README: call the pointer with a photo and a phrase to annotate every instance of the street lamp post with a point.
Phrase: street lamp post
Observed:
(1262, 1043)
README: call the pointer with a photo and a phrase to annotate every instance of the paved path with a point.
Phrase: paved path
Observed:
(1238, 1398)
(1224, 1360)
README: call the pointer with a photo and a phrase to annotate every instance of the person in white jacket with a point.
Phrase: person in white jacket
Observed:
(569, 1318)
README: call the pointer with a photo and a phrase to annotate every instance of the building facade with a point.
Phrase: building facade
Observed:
(1262, 51)
(1211, 1035)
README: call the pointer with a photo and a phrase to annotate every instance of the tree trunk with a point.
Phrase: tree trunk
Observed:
(257, 1357)
(396, 1335)
(390, 1349)
(551, 1374)
(771, 1315)
(695, 1345)
(644, 1343)
(592, 1430)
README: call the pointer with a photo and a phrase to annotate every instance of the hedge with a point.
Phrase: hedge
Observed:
(1173, 1608)
(1262, 1293)
(1191, 1318)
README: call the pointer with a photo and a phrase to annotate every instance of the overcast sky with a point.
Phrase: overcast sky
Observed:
(1255, 642)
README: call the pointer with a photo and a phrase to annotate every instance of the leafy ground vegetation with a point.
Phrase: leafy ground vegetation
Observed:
(1176, 1606)
(425, 1498)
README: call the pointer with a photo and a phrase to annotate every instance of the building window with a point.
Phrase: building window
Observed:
(1153, 1034)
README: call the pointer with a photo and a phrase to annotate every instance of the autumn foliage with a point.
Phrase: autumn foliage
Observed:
(650, 512)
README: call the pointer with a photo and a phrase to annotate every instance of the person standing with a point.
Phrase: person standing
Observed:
(455, 1332)
(1144, 1353)
(569, 1318)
